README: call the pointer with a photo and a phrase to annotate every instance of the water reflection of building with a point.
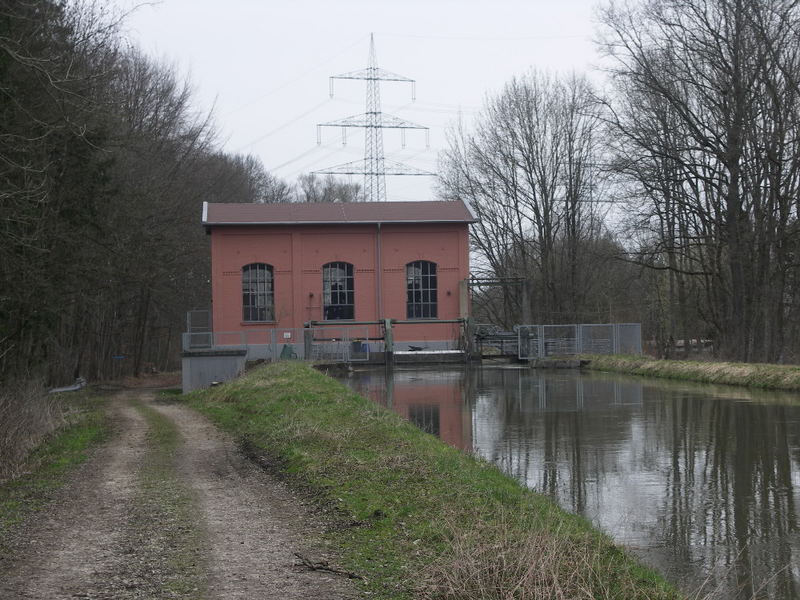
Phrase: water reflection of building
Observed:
(432, 400)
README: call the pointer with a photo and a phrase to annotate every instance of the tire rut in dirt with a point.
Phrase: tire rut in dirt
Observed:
(254, 524)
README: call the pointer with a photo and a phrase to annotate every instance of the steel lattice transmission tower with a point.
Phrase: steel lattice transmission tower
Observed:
(374, 167)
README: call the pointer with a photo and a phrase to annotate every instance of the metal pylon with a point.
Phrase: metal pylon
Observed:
(373, 167)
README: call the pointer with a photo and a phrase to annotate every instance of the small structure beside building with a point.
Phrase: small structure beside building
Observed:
(202, 367)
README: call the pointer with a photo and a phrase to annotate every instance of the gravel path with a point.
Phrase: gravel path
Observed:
(249, 525)
(69, 548)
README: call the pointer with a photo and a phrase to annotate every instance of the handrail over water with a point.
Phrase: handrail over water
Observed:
(382, 322)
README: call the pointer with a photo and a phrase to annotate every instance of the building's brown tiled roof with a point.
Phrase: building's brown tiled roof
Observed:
(302, 213)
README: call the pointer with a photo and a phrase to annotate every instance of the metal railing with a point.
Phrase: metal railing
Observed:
(352, 341)
(541, 341)
(339, 344)
(491, 340)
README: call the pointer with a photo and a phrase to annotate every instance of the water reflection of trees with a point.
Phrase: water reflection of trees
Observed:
(729, 492)
(703, 483)
(534, 427)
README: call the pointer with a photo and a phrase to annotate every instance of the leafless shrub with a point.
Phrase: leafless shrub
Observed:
(27, 415)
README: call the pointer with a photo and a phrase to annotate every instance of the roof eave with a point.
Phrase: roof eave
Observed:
(376, 222)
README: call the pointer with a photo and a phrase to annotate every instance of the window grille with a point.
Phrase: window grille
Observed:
(421, 288)
(338, 295)
(258, 298)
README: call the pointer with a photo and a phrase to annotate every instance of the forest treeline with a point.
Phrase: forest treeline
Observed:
(104, 165)
(104, 162)
(690, 155)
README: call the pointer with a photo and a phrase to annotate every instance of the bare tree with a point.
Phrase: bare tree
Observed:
(312, 188)
(530, 171)
(705, 121)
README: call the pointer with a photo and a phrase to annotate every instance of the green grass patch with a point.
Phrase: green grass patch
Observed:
(164, 520)
(417, 517)
(757, 375)
(46, 468)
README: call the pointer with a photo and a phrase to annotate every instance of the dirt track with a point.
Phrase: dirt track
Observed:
(211, 526)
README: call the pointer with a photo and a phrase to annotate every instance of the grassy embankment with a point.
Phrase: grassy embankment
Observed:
(45, 469)
(415, 516)
(774, 377)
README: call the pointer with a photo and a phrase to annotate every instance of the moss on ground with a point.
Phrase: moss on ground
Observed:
(758, 375)
(47, 467)
(413, 511)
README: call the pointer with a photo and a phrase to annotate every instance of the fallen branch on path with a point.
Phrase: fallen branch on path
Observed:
(324, 566)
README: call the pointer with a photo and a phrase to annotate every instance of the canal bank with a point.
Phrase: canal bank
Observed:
(757, 375)
(412, 516)
(698, 481)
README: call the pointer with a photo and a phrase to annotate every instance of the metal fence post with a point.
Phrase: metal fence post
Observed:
(308, 342)
(541, 348)
(523, 342)
(388, 340)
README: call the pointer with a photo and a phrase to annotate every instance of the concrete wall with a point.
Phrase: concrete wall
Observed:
(202, 368)
(379, 257)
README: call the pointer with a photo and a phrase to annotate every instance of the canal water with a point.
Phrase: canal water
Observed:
(700, 482)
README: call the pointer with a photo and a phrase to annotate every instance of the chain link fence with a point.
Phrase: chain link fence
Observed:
(541, 341)
(198, 330)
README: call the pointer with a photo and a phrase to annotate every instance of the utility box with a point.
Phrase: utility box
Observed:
(202, 368)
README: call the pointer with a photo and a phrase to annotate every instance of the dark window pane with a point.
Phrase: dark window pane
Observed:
(257, 293)
(338, 291)
(421, 290)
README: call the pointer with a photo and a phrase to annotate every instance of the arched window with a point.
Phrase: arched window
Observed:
(338, 292)
(421, 289)
(258, 293)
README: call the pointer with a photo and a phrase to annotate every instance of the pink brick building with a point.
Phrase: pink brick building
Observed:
(275, 267)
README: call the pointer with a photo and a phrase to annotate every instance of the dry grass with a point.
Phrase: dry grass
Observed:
(495, 562)
(27, 415)
(766, 376)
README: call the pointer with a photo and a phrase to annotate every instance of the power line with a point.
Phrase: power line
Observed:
(300, 156)
(413, 107)
(480, 38)
(315, 161)
(284, 125)
(297, 78)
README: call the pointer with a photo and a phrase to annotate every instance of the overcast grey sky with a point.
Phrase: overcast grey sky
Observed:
(264, 67)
